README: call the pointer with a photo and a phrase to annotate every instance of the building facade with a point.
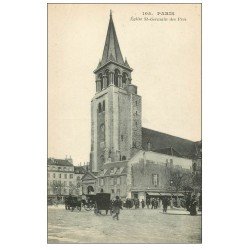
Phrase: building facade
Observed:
(64, 178)
(127, 159)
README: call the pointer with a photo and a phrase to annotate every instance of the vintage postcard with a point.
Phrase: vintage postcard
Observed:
(124, 123)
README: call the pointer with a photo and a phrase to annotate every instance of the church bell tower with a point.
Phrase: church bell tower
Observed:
(115, 107)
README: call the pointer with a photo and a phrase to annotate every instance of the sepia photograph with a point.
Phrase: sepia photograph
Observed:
(124, 161)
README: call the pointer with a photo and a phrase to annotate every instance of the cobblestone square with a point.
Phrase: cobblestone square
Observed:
(133, 226)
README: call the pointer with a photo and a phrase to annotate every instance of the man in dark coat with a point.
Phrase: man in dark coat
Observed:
(155, 204)
(165, 204)
(117, 205)
(142, 203)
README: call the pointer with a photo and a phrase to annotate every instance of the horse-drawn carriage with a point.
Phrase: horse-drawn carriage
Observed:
(96, 202)
(72, 202)
(89, 202)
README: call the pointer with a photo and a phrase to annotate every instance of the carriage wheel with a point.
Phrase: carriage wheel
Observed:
(88, 207)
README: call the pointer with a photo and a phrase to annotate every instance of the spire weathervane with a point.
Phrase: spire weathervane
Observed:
(110, 13)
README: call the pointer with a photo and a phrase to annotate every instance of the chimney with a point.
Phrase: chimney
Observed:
(69, 159)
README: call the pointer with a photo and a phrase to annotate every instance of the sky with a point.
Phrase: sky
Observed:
(165, 56)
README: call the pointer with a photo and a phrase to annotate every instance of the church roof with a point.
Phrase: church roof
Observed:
(162, 143)
(111, 47)
(112, 51)
(168, 151)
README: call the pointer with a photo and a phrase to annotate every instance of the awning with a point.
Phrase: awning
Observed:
(173, 194)
(165, 194)
(153, 194)
(179, 195)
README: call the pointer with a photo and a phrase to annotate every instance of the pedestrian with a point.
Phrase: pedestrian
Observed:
(188, 200)
(153, 203)
(111, 207)
(165, 203)
(117, 205)
(148, 202)
(130, 205)
(142, 203)
(193, 204)
(137, 203)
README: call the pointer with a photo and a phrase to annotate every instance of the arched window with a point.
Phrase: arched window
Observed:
(124, 77)
(117, 72)
(107, 74)
(102, 127)
(103, 106)
(102, 159)
(90, 189)
(124, 158)
(101, 79)
(99, 107)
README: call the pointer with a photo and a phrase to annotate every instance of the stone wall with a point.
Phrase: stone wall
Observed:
(142, 175)
(124, 126)
(136, 114)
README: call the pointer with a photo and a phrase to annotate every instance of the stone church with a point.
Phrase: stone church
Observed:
(127, 159)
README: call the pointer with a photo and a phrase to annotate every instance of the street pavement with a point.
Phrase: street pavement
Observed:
(134, 226)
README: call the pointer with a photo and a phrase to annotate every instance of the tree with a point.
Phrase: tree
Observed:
(197, 180)
(176, 176)
(57, 187)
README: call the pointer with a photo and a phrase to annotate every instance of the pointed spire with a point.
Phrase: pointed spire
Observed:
(111, 47)
(126, 63)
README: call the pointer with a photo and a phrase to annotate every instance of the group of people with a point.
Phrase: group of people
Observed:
(192, 202)
(117, 204)
(130, 203)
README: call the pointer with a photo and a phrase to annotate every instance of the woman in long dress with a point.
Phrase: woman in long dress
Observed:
(193, 204)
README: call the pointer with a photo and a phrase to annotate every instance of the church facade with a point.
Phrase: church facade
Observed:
(127, 159)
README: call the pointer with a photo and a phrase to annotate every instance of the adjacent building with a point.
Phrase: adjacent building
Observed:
(64, 178)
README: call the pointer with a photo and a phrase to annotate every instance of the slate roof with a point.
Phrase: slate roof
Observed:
(90, 175)
(119, 167)
(58, 162)
(162, 143)
(80, 169)
(168, 151)
(111, 47)
(112, 51)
